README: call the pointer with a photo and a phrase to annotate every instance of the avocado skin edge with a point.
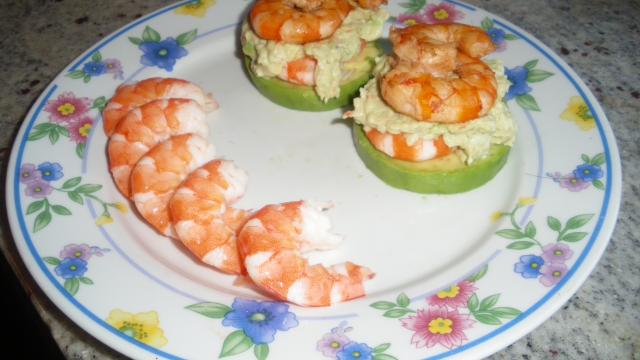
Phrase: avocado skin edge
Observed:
(408, 176)
(301, 97)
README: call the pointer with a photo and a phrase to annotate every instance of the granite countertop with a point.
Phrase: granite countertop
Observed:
(599, 39)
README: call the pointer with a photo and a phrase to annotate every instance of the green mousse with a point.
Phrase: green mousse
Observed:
(446, 175)
(301, 97)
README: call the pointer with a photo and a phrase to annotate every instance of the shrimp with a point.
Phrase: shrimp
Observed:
(128, 97)
(300, 71)
(144, 127)
(271, 243)
(397, 147)
(298, 21)
(202, 219)
(158, 174)
(371, 4)
(465, 94)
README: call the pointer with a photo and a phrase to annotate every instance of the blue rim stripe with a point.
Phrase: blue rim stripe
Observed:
(124, 30)
(596, 230)
(462, 5)
(35, 254)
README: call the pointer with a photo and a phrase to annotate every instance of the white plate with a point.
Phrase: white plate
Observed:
(450, 278)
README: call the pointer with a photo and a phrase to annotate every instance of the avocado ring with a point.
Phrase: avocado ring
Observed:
(301, 97)
(446, 175)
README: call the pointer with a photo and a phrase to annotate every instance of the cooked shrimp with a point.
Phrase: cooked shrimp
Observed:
(397, 147)
(146, 126)
(298, 21)
(434, 46)
(301, 71)
(271, 243)
(157, 175)
(466, 94)
(371, 4)
(202, 219)
(128, 97)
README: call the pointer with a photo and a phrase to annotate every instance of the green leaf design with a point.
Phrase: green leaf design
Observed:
(88, 188)
(53, 136)
(531, 64)
(235, 343)
(573, 237)
(598, 184)
(261, 351)
(511, 234)
(97, 57)
(60, 210)
(75, 197)
(585, 158)
(480, 274)
(403, 300)
(42, 220)
(99, 103)
(486, 23)
(135, 41)
(473, 303)
(578, 221)
(150, 35)
(51, 260)
(527, 102)
(598, 160)
(384, 357)
(413, 6)
(489, 302)
(554, 224)
(511, 37)
(210, 309)
(186, 38)
(396, 313)
(520, 245)
(76, 74)
(62, 131)
(505, 312)
(72, 285)
(37, 135)
(86, 280)
(487, 318)
(381, 348)
(80, 150)
(383, 305)
(86, 78)
(72, 182)
(530, 230)
(537, 75)
(35, 206)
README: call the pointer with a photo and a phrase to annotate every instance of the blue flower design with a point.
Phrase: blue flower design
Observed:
(587, 173)
(260, 320)
(529, 266)
(71, 268)
(162, 54)
(497, 35)
(94, 68)
(50, 171)
(518, 77)
(355, 351)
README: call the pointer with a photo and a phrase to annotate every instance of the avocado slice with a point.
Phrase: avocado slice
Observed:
(446, 175)
(301, 97)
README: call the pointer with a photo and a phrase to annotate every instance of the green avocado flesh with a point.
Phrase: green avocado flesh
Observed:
(446, 175)
(301, 97)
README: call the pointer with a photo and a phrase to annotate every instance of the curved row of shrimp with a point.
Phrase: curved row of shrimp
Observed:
(160, 159)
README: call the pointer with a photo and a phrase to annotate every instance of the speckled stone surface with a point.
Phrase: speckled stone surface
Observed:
(601, 41)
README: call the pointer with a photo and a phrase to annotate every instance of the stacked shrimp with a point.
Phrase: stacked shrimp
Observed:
(160, 159)
(437, 76)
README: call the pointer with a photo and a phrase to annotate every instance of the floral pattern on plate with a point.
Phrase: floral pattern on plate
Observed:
(73, 263)
(163, 53)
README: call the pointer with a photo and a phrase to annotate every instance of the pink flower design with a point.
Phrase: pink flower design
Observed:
(556, 253)
(74, 251)
(67, 107)
(334, 342)
(438, 326)
(453, 297)
(113, 66)
(412, 19)
(552, 273)
(80, 129)
(442, 14)
(569, 181)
